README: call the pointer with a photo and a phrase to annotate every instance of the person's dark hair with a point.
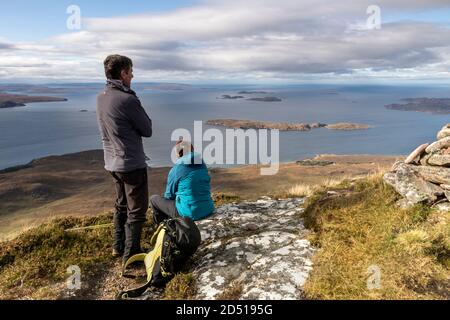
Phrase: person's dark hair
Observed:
(114, 64)
(182, 146)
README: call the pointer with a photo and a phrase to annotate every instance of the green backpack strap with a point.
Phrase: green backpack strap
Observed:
(150, 260)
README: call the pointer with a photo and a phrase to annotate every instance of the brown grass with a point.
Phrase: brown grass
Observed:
(233, 292)
(358, 226)
(181, 287)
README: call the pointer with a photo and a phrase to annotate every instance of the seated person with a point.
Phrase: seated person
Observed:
(188, 192)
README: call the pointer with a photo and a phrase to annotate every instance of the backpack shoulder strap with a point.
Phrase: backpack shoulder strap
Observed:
(150, 261)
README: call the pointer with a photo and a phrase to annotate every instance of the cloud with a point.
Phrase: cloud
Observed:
(6, 46)
(285, 39)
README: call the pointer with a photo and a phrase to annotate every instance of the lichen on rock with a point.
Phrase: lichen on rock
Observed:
(259, 245)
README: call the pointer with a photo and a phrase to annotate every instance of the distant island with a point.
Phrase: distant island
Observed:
(348, 126)
(227, 96)
(266, 99)
(282, 126)
(432, 105)
(15, 100)
(252, 92)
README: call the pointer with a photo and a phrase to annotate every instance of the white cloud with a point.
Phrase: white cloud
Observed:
(269, 40)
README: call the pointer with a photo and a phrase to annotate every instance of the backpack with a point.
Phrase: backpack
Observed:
(174, 241)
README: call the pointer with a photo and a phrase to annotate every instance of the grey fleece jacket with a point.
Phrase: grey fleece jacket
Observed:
(122, 122)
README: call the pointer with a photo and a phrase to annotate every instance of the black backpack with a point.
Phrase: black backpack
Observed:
(174, 242)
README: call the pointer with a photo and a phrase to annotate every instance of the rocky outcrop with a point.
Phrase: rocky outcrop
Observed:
(258, 248)
(415, 189)
(424, 177)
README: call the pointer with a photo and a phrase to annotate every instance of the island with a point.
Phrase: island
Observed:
(252, 92)
(266, 99)
(348, 126)
(432, 105)
(282, 126)
(15, 100)
(227, 96)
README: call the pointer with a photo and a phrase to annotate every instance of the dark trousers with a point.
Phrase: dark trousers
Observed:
(131, 209)
(132, 194)
(163, 209)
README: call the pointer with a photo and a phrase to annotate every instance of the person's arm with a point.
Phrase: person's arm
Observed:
(138, 117)
(172, 184)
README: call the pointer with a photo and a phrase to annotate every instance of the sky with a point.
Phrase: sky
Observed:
(228, 41)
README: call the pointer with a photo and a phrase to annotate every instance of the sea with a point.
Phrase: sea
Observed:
(55, 128)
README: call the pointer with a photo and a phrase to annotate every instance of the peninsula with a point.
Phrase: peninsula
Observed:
(432, 105)
(15, 100)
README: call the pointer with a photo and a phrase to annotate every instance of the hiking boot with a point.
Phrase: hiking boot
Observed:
(116, 254)
(120, 218)
(133, 233)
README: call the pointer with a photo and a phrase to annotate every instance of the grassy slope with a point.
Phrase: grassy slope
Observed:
(359, 225)
(34, 265)
(354, 227)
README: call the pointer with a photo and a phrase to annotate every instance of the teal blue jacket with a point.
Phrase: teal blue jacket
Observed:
(189, 184)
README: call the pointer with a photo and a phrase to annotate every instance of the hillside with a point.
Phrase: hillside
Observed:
(334, 241)
(77, 185)
(333, 215)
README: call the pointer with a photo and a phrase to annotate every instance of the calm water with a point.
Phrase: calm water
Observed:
(43, 129)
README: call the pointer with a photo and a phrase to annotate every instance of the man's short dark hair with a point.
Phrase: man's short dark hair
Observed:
(114, 64)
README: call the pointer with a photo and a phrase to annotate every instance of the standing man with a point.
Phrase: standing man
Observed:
(123, 122)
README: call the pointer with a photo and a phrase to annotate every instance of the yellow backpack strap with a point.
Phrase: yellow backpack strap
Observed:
(155, 254)
(150, 260)
(155, 234)
(133, 259)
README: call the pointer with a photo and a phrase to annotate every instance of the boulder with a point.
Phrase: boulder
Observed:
(439, 175)
(445, 132)
(407, 183)
(415, 155)
(260, 247)
(438, 145)
(445, 186)
(439, 160)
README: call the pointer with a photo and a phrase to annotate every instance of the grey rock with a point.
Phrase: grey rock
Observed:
(438, 145)
(407, 183)
(444, 132)
(439, 175)
(415, 155)
(439, 160)
(260, 246)
(443, 206)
